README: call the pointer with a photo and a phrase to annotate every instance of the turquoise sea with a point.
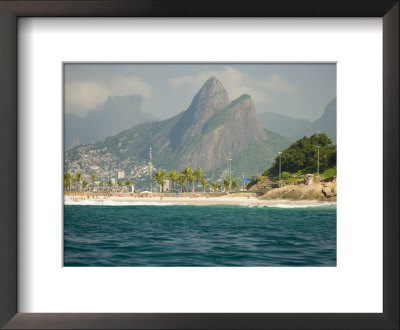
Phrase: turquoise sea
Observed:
(203, 236)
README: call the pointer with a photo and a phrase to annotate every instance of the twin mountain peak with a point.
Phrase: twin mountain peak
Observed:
(204, 136)
(219, 127)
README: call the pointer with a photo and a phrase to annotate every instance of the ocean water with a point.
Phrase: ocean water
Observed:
(203, 236)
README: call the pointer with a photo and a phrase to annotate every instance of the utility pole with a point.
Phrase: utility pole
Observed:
(318, 162)
(151, 173)
(280, 167)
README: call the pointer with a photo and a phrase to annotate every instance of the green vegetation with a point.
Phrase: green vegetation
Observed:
(173, 176)
(185, 179)
(131, 146)
(68, 180)
(257, 156)
(78, 178)
(198, 175)
(217, 120)
(215, 185)
(84, 184)
(205, 184)
(221, 117)
(187, 173)
(329, 173)
(301, 158)
(134, 144)
(160, 178)
(181, 181)
(230, 184)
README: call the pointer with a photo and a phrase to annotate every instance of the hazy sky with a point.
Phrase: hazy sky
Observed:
(296, 90)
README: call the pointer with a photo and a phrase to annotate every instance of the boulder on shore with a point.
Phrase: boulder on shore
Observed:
(316, 191)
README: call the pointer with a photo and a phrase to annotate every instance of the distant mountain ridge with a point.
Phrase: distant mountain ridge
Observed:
(284, 125)
(117, 114)
(297, 128)
(205, 135)
(327, 123)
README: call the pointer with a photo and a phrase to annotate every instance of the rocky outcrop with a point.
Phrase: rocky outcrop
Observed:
(316, 191)
(262, 185)
(229, 131)
(211, 98)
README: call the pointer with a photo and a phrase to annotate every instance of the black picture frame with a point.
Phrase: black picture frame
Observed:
(10, 10)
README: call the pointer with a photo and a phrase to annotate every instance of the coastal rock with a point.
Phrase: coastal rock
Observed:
(302, 192)
(264, 184)
(313, 192)
(327, 191)
(294, 194)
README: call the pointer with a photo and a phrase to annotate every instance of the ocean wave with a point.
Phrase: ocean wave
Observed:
(116, 203)
(291, 206)
(153, 203)
(297, 206)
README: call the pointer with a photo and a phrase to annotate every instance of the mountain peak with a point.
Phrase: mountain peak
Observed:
(210, 88)
(229, 131)
(116, 114)
(210, 99)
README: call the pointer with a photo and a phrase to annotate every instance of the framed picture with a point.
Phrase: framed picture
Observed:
(217, 165)
(150, 312)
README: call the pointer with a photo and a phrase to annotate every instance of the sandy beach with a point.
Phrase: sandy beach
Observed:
(184, 200)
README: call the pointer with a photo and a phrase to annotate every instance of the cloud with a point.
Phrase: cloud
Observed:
(84, 95)
(237, 83)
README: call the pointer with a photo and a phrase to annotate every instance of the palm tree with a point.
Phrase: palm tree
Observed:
(188, 173)
(173, 176)
(235, 184)
(84, 184)
(110, 184)
(93, 178)
(214, 185)
(230, 183)
(181, 180)
(205, 184)
(227, 182)
(198, 175)
(120, 184)
(67, 181)
(160, 177)
(101, 184)
(128, 183)
(78, 178)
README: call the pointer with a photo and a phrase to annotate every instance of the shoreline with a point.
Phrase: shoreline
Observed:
(195, 201)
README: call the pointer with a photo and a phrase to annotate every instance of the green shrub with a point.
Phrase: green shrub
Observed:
(329, 173)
